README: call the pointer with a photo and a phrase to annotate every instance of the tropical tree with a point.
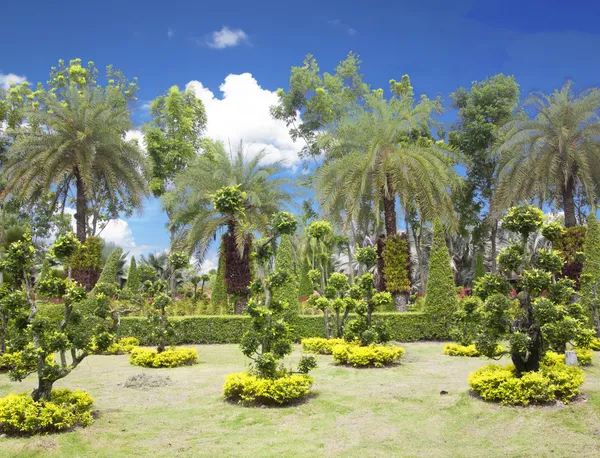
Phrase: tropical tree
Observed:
(231, 194)
(553, 154)
(78, 140)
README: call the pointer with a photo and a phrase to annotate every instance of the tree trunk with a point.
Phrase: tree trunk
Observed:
(43, 392)
(569, 203)
(80, 207)
(240, 304)
(389, 209)
(172, 279)
(401, 301)
(596, 319)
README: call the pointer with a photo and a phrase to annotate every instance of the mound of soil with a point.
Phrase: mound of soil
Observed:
(142, 381)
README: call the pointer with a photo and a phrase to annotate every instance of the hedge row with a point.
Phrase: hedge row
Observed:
(404, 327)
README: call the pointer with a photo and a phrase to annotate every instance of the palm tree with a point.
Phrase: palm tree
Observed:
(258, 191)
(159, 262)
(551, 155)
(78, 140)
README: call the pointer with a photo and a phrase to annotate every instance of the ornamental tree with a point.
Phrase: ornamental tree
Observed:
(590, 275)
(39, 336)
(543, 315)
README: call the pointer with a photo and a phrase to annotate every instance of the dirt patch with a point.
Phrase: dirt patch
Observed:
(142, 381)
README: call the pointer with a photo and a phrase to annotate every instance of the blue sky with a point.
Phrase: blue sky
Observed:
(440, 44)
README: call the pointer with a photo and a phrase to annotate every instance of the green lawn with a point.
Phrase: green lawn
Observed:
(355, 412)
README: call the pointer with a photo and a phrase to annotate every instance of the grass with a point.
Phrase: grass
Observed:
(394, 411)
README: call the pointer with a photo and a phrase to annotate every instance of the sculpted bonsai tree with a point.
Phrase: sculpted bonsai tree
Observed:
(544, 314)
(38, 335)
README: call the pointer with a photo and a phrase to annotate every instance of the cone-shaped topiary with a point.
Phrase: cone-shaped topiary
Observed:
(109, 273)
(590, 274)
(218, 299)
(441, 300)
(284, 262)
(305, 289)
(133, 277)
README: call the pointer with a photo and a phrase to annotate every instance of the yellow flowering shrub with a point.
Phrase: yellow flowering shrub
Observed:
(595, 344)
(554, 381)
(123, 346)
(368, 356)
(21, 415)
(249, 389)
(171, 357)
(453, 349)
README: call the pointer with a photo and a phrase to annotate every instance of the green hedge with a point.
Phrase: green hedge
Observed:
(404, 327)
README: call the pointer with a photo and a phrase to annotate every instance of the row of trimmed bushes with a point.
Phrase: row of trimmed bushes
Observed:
(404, 327)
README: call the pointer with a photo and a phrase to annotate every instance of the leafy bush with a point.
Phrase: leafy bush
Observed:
(171, 357)
(123, 346)
(369, 356)
(595, 344)
(320, 345)
(554, 381)
(466, 350)
(396, 263)
(584, 356)
(21, 415)
(249, 389)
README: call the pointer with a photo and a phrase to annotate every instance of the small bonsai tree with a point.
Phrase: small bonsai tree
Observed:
(467, 321)
(543, 315)
(37, 336)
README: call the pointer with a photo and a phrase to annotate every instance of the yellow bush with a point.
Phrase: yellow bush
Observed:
(595, 344)
(372, 355)
(320, 345)
(452, 349)
(248, 389)
(9, 360)
(554, 381)
(171, 357)
(20, 414)
(584, 357)
(123, 346)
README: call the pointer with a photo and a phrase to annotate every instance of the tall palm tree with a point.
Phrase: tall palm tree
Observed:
(262, 191)
(78, 140)
(551, 155)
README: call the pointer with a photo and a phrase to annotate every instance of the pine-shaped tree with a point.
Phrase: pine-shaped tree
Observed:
(109, 272)
(441, 300)
(590, 274)
(305, 288)
(133, 277)
(284, 262)
(218, 299)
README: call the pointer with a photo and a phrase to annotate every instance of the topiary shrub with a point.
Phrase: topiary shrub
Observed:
(320, 345)
(111, 267)
(170, 357)
(134, 282)
(284, 262)
(467, 350)
(251, 389)
(21, 415)
(590, 274)
(554, 381)
(86, 263)
(396, 268)
(441, 300)
(368, 356)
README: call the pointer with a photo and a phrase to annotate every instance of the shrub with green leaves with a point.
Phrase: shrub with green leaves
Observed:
(590, 274)
(466, 321)
(467, 350)
(170, 357)
(396, 264)
(543, 315)
(86, 263)
(554, 381)
(367, 356)
(284, 262)
(367, 256)
(133, 277)
(250, 389)
(441, 300)
(21, 415)
(320, 345)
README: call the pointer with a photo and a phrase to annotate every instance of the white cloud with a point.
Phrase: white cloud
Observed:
(10, 78)
(341, 25)
(242, 114)
(137, 135)
(226, 38)
(170, 33)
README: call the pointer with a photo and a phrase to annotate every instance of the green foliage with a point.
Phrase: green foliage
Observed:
(511, 258)
(570, 247)
(134, 282)
(479, 265)
(305, 287)
(65, 246)
(171, 357)
(396, 264)
(86, 263)
(284, 223)
(491, 284)
(466, 321)
(319, 230)
(554, 381)
(219, 298)
(402, 327)
(21, 415)
(229, 200)
(590, 274)
(584, 356)
(109, 272)
(320, 345)
(250, 389)
(284, 262)
(553, 232)
(441, 300)
(367, 356)
(366, 256)
(523, 219)
(548, 260)
(122, 347)
(179, 259)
